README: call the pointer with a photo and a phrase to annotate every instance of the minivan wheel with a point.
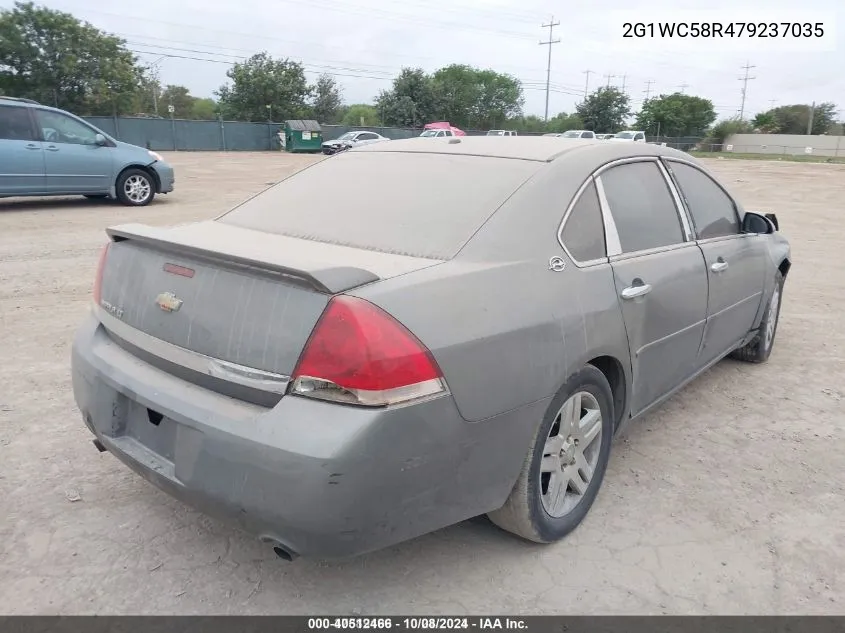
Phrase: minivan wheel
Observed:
(135, 188)
(565, 465)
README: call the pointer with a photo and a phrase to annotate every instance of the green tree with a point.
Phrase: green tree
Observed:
(263, 88)
(793, 119)
(56, 59)
(180, 98)
(530, 124)
(765, 122)
(360, 115)
(725, 128)
(475, 98)
(676, 115)
(203, 109)
(326, 101)
(412, 101)
(562, 122)
(605, 110)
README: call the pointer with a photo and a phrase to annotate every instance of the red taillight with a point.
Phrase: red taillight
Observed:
(98, 280)
(359, 354)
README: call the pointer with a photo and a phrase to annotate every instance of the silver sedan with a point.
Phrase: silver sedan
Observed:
(350, 140)
(467, 342)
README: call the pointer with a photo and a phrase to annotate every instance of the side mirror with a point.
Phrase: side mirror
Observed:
(756, 223)
(100, 140)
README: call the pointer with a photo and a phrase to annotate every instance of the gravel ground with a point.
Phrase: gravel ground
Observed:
(727, 500)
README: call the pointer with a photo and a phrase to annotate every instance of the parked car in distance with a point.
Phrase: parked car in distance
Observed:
(604, 137)
(629, 136)
(578, 134)
(434, 129)
(49, 152)
(501, 133)
(339, 380)
(351, 139)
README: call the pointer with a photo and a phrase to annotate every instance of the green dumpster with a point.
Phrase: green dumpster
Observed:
(303, 136)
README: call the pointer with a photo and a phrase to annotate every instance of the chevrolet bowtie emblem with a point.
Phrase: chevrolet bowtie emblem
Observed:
(168, 302)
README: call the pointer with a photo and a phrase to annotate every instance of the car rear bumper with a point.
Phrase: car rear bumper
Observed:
(322, 480)
(166, 176)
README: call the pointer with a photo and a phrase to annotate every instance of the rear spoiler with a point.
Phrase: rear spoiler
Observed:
(323, 279)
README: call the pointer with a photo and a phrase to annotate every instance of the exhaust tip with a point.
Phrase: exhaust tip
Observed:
(99, 446)
(284, 553)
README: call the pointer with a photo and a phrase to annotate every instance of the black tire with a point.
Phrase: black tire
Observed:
(97, 196)
(142, 197)
(524, 513)
(759, 348)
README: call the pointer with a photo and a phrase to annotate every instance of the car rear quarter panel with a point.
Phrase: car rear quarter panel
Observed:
(505, 329)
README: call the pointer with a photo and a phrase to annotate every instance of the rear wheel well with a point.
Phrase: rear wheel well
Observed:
(784, 267)
(612, 370)
(151, 172)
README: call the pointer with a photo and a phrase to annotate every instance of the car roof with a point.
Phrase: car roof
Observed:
(17, 101)
(533, 148)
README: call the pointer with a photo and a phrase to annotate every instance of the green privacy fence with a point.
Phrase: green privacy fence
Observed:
(185, 135)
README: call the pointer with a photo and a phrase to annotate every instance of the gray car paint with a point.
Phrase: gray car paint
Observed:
(331, 480)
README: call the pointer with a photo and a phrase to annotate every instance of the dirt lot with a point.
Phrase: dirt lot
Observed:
(729, 499)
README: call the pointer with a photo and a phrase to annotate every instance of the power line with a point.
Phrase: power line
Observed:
(551, 26)
(745, 81)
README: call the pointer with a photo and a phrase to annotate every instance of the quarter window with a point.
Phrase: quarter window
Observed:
(59, 128)
(15, 124)
(642, 206)
(583, 233)
(713, 212)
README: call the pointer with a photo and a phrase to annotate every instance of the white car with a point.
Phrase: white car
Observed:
(438, 133)
(629, 136)
(351, 139)
(578, 134)
(501, 133)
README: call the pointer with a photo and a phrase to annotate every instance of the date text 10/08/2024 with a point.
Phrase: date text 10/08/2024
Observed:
(417, 623)
(723, 29)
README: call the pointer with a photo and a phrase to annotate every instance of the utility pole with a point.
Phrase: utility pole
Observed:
(683, 88)
(647, 90)
(623, 83)
(551, 26)
(810, 119)
(745, 81)
(772, 103)
(154, 72)
(587, 83)
(609, 77)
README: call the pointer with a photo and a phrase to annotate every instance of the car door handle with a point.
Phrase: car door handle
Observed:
(632, 292)
(719, 266)
(33, 146)
(52, 148)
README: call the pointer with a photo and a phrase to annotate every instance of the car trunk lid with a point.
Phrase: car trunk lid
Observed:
(225, 293)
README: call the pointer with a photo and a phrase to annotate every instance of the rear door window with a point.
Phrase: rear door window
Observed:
(642, 206)
(15, 124)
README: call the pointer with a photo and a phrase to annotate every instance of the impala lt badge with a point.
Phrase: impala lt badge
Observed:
(168, 302)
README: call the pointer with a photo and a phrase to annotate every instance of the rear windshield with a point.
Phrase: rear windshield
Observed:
(418, 204)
